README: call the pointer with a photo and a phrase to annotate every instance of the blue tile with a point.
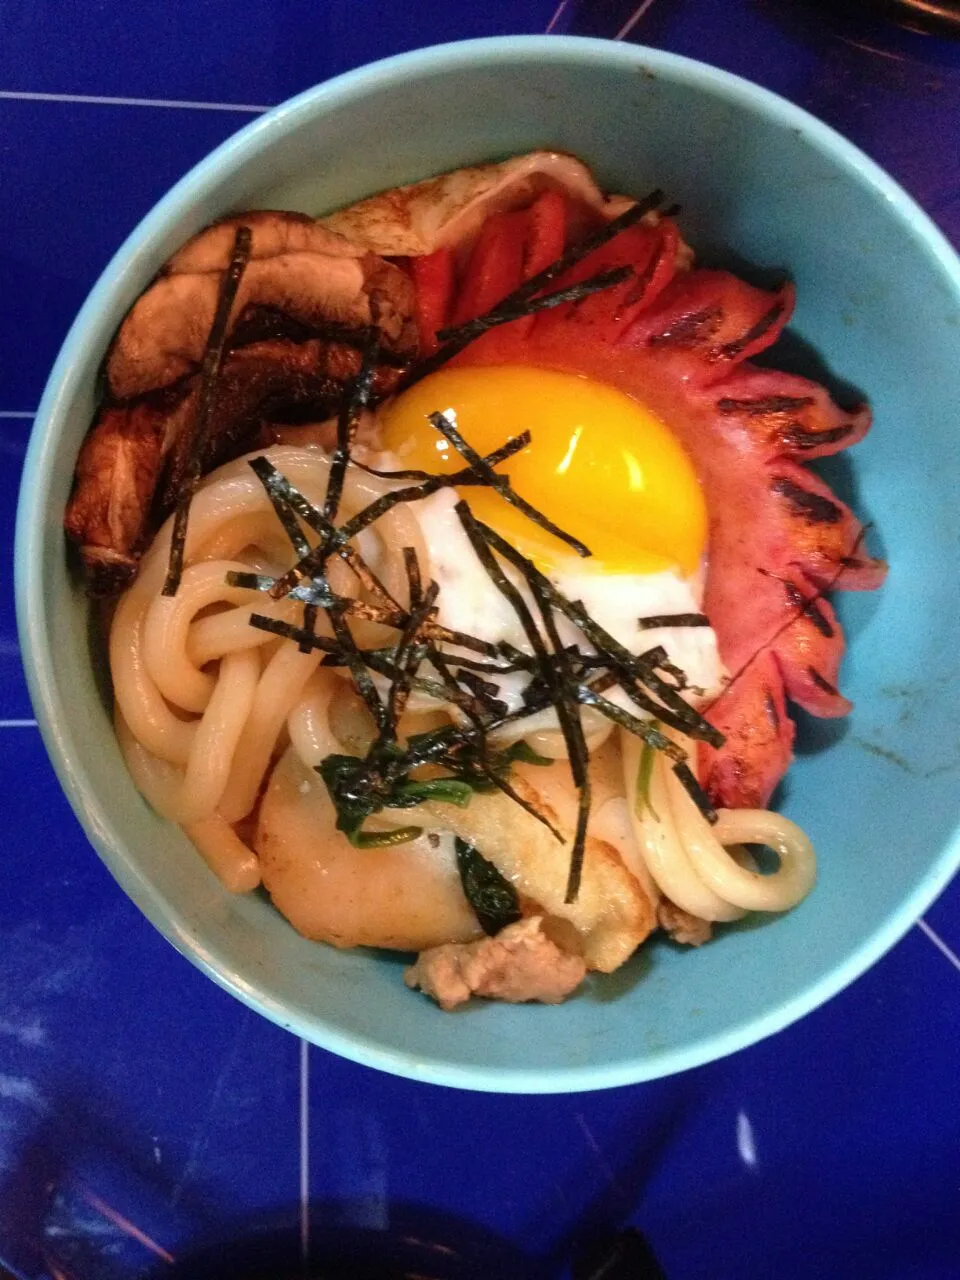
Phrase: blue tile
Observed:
(710, 1165)
(112, 164)
(14, 700)
(240, 51)
(136, 1095)
(129, 1082)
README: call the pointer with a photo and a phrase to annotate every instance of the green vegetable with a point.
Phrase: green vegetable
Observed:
(493, 898)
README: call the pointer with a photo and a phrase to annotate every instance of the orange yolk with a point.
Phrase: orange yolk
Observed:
(600, 466)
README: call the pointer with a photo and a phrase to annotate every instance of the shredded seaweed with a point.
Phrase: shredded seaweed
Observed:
(656, 620)
(209, 376)
(453, 667)
(445, 423)
(504, 313)
(355, 400)
(632, 670)
(694, 790)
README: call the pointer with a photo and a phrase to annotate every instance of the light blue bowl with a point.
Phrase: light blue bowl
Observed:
(879, 299)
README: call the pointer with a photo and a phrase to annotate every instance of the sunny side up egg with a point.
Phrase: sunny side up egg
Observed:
(599, 465)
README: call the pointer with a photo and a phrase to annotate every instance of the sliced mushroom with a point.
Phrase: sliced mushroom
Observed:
(274, 232)
(162, 338)
(133, 461)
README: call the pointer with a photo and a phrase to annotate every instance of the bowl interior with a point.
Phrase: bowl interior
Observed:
(878, 306)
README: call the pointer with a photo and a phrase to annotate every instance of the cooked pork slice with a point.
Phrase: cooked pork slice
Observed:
(133, 461)
(447, 210)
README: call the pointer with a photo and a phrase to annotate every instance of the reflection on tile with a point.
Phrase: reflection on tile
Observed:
(129, 1082)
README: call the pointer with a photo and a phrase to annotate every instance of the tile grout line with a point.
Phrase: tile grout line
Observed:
(304, 1150)
(632, 21)
(18, 724)
(18, 413)
(939, 943)
(557, 15)
(97, 100)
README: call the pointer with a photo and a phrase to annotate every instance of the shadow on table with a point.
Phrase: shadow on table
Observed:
(419, 1243)
(82, 1205)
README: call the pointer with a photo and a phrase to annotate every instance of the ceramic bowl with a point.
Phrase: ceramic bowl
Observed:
(761, 183)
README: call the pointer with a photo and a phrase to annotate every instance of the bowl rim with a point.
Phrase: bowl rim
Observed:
(128, 264)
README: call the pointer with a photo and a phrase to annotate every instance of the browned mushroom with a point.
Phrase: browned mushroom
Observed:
(311, 290)
(132, 463)
(328, 280)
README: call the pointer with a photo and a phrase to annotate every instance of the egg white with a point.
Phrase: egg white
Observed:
(469, 601)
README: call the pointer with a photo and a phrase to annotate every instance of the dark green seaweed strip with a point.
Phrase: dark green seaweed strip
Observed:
(209, 376)
(365, 686)
(568, 713)
(355, 400)
(694, 790)
(454, 340)
(513, 597)
(514, 305)
(486, 767)
(310, 564)
(503, 314)
(511, 446)
(277, 488)
(656, 620)
(408, 654)
(309, 626)
(644, 729)
(676, 712)
(493, 898)
(449, 430)
(583, 248)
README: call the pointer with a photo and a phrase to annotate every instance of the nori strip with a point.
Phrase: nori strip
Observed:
(515, 305)
(695, 791)
(355, 400)
(449, 430)
(209, 375)
(656, 620)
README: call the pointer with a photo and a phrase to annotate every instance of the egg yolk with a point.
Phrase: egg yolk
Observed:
(599, 465)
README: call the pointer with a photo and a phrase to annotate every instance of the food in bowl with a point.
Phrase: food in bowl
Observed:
(493, 665)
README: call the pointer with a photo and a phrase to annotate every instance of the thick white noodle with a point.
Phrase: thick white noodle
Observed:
(782, 889)
(166, 627)
(662, 849)
(199, 739)
(225, 853)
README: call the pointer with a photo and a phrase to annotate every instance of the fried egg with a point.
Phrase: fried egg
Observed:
(602, 467)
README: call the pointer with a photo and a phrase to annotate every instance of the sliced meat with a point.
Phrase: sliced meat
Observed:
(113, 491)
(520, 964)
(274, 232)
(448, 210)
(779, 538)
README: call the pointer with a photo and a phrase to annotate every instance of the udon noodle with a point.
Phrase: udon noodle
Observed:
(206, 704)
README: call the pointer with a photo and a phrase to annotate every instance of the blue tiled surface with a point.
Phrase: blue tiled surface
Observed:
(144, 1115)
